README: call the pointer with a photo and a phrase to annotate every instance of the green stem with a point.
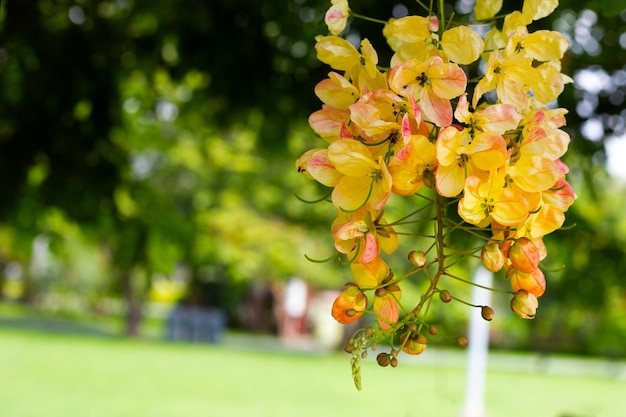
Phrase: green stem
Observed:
(369, 19)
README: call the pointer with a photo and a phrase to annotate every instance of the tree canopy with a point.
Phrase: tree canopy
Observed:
(166, 134)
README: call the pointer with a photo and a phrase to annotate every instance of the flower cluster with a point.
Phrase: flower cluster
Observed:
(420, 129)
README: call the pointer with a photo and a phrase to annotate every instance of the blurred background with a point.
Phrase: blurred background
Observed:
(148, 182)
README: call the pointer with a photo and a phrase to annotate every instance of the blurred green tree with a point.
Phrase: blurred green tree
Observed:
(167, 132)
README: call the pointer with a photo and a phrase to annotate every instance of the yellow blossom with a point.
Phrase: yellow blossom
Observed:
(364, 181)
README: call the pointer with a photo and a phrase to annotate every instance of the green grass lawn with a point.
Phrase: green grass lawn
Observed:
(56, 375)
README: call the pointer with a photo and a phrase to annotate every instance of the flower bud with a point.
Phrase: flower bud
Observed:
(433, 330)
(534, 282)
(445, 296)
(524, 304)
(413, 344)
(461, 341)
(383, 359)
(524, 255)
(394, 362)
(487, 313)
(492, 257)
(417, 258)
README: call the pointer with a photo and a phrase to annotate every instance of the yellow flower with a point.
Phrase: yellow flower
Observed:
(432, 84)
(371, 274)
(413, 165)
(336, 91)
(364, 181)
(510, 76)
(542, 45)
(462, 44)
(461, 155)
(538, 9)
(486, 9)
(411, 37)
(484, 201)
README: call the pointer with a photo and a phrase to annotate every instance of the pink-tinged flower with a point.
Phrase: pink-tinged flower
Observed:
(541, 135)
(534, 282)
(432, 83)
(524, 304)
(376, 115)
(494, 118)
(331, 123)
(524, 255)
(316, 165)
(350, 305)
(484, 201)
(365, 182)
(385, 305)
(561, 195)
(361, 235)
(412, 167)
(336, 16)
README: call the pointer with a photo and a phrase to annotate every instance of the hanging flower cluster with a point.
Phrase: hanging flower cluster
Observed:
(421, 130)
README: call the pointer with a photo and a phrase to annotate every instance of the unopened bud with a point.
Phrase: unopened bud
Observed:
(433, 330)
(487, 313)
(492, 257)
(383, 359)
(524, 304)
(445, 296)
(421, 339)
(524, 255)
(349, 348)
(461, 341)
(412, 327)
(393, 361)
(417, 258)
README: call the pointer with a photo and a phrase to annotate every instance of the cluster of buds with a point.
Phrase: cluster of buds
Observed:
(420, 129)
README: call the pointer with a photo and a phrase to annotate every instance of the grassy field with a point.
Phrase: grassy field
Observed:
(56, 375)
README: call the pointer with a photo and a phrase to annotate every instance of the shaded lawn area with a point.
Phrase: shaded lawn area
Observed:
(56, 375)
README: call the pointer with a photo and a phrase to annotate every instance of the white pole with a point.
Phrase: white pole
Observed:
(477, 349)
